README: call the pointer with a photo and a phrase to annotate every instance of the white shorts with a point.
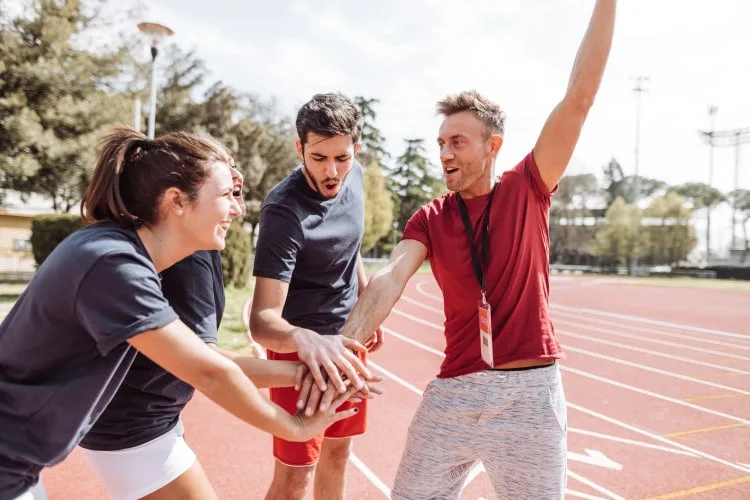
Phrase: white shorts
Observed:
(136, 472)
(36, 492)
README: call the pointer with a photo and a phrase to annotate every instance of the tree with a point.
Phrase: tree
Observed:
(569, 236)
(741, 202)
(620, 239)
(618, 184)
(56, 99)
(373, 149)
(674, 238)
(412, 181)
(378, 207)
(373, 156)
(702, 196)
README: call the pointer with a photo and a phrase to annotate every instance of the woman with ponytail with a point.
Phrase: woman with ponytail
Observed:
(96, 302)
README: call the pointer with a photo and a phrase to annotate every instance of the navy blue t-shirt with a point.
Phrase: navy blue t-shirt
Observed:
(313, 244)
(63, 346)
(150, 399)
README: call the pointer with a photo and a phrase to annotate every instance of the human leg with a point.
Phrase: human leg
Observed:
(438, 455)
(523, 443)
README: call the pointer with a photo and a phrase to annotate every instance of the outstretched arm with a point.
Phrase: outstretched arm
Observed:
(560, 133)
(383, 290)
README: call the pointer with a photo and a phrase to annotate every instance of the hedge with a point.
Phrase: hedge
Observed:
(47, 231)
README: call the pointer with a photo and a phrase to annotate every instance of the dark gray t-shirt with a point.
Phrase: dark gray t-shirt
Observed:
(150, 399)
(63, 349)
(313, 244)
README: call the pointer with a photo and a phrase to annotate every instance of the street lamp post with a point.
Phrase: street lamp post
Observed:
(156, 33)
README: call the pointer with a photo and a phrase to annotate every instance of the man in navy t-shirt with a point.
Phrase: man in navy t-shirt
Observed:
(309, 274)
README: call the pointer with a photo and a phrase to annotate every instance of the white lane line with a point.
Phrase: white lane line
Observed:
(600, 321)
(657, 437)
(648, 351)
(654, 394)
(617, 333)
(639, 319)
(369, 474)
(575, 430)
(413, 342)
(394, 377)
(655, 370)
(593, 485)
(604, 379)
(420, 289)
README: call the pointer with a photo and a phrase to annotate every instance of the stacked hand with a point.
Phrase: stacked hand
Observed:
(335, 354)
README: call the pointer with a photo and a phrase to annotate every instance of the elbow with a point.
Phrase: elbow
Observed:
(580, 101)
(212, 378)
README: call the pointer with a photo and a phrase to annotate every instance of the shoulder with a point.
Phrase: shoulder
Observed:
(526, 173)
(98, 241)
(442, 205)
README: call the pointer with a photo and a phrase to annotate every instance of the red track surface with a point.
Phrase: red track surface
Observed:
(657, 382)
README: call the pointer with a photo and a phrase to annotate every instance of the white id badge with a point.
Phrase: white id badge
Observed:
(485, 332)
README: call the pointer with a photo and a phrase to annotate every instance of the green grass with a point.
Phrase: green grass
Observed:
(232, 332)
(684, 282)
(9, 294)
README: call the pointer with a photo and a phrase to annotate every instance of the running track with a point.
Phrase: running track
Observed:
(657, 382)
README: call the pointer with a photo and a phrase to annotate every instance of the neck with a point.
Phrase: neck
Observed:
(164, 249)
(481, 187)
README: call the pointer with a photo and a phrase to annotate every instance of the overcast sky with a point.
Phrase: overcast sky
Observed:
(410, 53)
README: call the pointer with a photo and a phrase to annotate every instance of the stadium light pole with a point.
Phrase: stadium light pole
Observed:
(155, 33)
(638, 89)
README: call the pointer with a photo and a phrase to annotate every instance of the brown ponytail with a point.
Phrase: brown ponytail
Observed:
(132, 172)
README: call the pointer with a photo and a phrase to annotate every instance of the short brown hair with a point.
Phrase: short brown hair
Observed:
(487, 111)
(132, 172)
(329, 115)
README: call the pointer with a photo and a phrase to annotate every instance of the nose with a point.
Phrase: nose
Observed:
(446, 153)
(235, 209)
(330, 169)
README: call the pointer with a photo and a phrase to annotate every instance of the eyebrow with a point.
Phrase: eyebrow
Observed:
(454, 136)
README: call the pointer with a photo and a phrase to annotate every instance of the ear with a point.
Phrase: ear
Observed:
(357, 146)
(495, 143)
(299, 149)
(174, 201)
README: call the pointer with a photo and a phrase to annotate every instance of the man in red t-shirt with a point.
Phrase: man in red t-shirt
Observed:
(498, 397)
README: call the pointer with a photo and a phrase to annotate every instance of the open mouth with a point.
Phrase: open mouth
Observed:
(450, 170)
(330, 186)
(225, 225)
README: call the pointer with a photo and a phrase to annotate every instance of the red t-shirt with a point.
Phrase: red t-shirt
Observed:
(516, 273)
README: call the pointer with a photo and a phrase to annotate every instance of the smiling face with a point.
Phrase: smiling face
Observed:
(327, 161)
(206, 219)
(466, 154)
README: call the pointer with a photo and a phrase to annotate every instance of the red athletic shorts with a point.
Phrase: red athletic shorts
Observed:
(307, 453)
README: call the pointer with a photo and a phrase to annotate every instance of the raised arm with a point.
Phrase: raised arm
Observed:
(560, 133)
(384, 289)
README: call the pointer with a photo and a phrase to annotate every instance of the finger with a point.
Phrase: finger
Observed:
(317, 375)
(344, 362)
(304, 394)
(353, 344)
(312, 403)
(299, 375)
(341, 415)
(358, 364)
(334, 375)
(326, 400)
(342, 398)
